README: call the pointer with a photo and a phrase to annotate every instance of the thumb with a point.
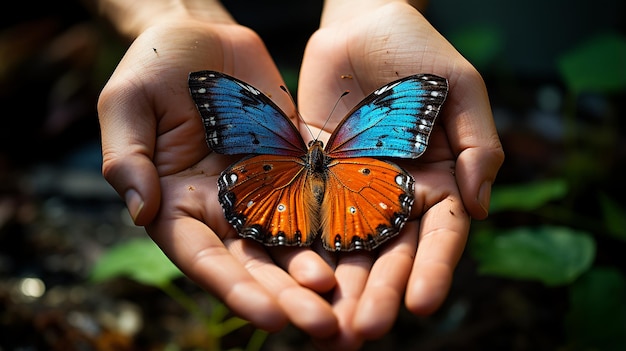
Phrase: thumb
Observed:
(474, 138)
(476, 170)
(135, 178)
(128, 133)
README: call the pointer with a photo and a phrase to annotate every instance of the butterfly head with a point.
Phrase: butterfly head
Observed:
(316, 143)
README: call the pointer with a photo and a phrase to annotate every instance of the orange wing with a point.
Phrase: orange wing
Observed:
(265, 198)
(366, 202)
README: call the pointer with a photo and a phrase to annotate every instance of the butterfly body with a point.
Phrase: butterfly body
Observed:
(285, 193)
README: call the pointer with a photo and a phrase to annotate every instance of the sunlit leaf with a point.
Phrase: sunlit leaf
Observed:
(597, 65)
(552, 255)
(597, 316)
(138, 259)
(527, 196)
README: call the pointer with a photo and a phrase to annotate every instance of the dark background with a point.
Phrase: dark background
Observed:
(58, 216)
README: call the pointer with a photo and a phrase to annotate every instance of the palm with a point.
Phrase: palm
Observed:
(360, 55)
(158, 88)
(160, 148)
(359, 60)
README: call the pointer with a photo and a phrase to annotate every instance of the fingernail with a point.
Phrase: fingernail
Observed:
(134, 203)
(484, 196)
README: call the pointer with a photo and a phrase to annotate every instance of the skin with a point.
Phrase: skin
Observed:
(156, 158)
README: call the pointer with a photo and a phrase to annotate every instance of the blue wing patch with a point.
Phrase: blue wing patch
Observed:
(239, 119)
(393, 121)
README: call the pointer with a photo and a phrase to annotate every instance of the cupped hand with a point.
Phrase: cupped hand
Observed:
(360, 49)
(156, 157)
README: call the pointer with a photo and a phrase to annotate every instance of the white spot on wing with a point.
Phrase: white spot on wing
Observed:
(420, 141)
(400, 179)
(337, 245)
(213, 138)
(249, 88)
(385, 88)
(211, 120)
(227, 200)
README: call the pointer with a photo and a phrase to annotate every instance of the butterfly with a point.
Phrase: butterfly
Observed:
(285, 192)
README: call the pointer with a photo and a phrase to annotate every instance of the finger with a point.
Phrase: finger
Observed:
(128, 139)
(201, 255)
(378, 307)
(351, 276)
(306, 309)
(229, 266)
(473, 137)
(306, 267)
(476, 170)
(443, 234)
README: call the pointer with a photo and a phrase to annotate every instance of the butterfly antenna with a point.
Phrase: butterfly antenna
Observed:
(331, 112)
(297, 111)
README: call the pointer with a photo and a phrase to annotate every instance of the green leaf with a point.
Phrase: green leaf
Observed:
(480, 44)
(140, 260)
(613, 217)
(552, 255)
(596, 65)
(528, 196)
(597, 316)
(290, 77)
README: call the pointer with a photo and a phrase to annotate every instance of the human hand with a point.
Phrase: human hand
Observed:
(359, 49)
(156, 157)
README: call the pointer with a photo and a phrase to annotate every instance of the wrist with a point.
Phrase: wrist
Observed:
(131, 18)
(338, 10)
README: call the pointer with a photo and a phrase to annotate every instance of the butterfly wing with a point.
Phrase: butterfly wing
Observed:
(274, 197)
(393, 121)
(262, 196)
(266, 198)
(239, 119)
(366, 202)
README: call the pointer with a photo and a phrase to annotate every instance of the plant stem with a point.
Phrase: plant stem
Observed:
(213, 326)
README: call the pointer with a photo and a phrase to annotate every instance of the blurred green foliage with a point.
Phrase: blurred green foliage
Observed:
(142, 260)
(597, 317)
(597, 65)
(549, 254)
(564, 253)
(479, 44)
(527, 196)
